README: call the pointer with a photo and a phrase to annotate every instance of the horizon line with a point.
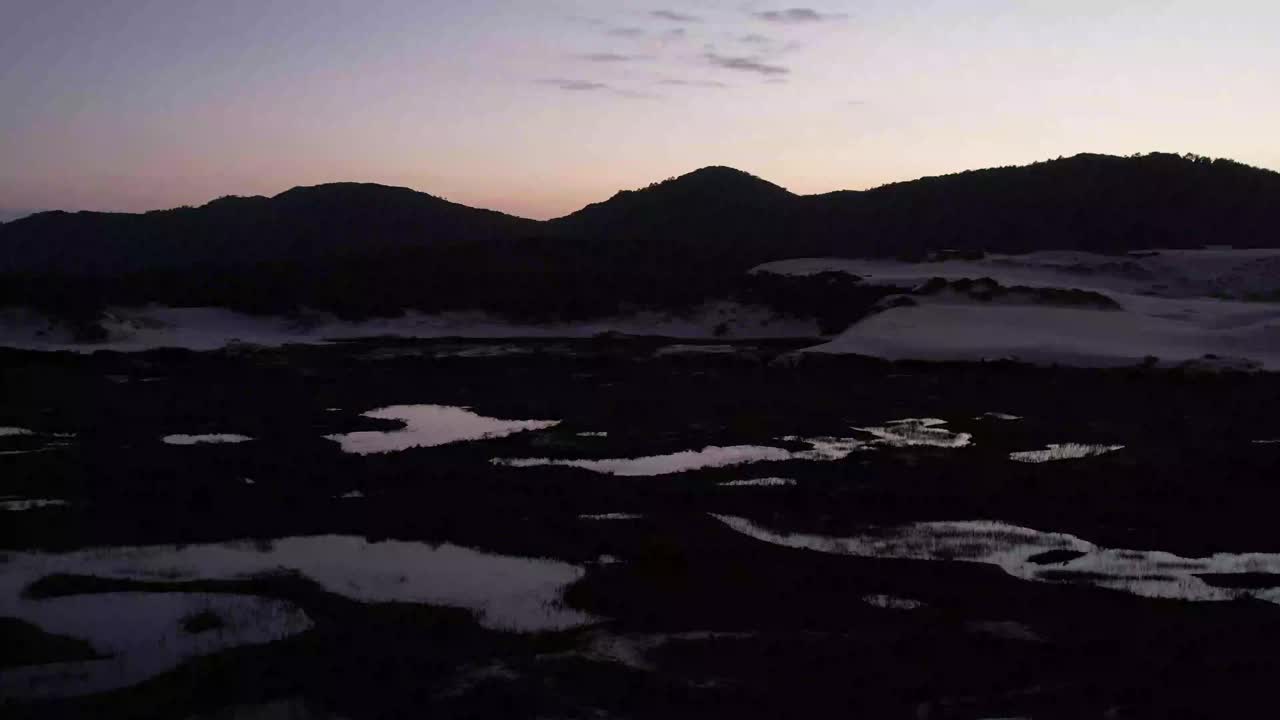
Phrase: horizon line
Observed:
(25, 213)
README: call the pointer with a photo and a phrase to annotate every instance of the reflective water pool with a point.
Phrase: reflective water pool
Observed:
(820, 449)
(210, 439)
(430, 426)
(1046, 557)
(1064, 451)
(913, 432)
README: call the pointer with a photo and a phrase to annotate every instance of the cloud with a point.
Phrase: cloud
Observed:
(608, 57)
(797, 15)
(677, 82)
(592, 86)
(629, 32)
(754, 39)
(745, 64)
(575, 85)
(675, 16)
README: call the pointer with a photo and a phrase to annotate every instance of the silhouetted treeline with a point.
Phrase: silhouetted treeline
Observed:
(362, 250)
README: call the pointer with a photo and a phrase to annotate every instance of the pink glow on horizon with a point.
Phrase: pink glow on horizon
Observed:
(540, 108)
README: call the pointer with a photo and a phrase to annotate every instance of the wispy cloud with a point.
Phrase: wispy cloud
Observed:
(628, 32)
(797, 15)
(745, 64)
(754, 39)
(675, 16)
(609, 57)
(575, 85)
(592, 86)
(678, 82)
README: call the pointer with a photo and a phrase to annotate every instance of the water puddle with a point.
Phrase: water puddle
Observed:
(892, 602)
(15, 503)
(140, 635)
(211, 439)
(1065, 451)
(58, 441)
(820, 449)
(430, 426)
(1023, 553)
(505, 592)
(760, 482)
(492, 351)
(917, 432)
(1005, 630)
(694, 350)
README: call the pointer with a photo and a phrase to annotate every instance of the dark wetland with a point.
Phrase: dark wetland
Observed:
(610, 528)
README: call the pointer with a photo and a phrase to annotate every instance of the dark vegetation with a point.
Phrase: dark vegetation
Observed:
(1190, 480)
(986, 289)
(361, 250)
(22, 643)
(202, 621)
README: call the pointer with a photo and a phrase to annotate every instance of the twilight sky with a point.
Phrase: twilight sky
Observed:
(537, 107)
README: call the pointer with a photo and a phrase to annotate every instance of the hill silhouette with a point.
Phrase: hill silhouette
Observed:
(361, 249)
(301, 224)
(1098, 203)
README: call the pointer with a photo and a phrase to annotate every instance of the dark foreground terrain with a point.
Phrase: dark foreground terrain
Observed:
(690, 618)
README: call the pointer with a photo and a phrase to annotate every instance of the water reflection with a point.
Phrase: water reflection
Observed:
(504, 592)
(430, 426)
(1005, 630)
(139, 635)
(1021, 553)
(892, 602)
(912, 432)
(209, 439)
(14, 431)
(760, 482)
(686, 349)
(998, 416)
(15, 503)
(1065, 451)
(820, 449)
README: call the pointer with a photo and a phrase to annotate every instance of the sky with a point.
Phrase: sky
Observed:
(537, 107)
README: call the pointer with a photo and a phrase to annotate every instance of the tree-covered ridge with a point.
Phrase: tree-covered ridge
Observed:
(369, 249)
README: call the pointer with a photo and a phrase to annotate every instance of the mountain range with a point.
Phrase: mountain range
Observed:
(372, 248)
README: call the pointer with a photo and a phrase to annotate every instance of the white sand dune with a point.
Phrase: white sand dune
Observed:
(204, 328)
(1166, 311)
(1164, 273)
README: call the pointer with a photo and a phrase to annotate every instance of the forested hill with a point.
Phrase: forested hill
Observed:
(302, 224)
(372, 248)
(1099, 203)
